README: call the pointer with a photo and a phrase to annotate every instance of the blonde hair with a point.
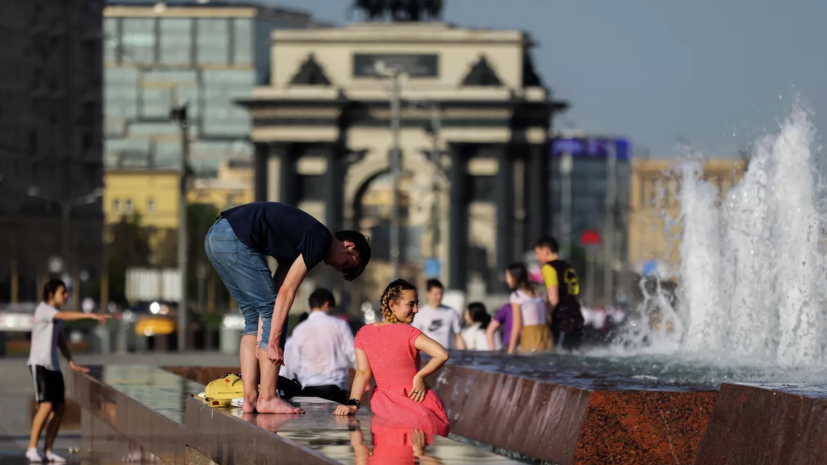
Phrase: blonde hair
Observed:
(392, 293)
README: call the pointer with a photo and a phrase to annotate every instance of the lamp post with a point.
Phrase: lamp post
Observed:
(179, 115)
(66, 207)
(436, 126)
(396, 160)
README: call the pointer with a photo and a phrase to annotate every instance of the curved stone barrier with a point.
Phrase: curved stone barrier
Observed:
(759, 425)
(572, 425)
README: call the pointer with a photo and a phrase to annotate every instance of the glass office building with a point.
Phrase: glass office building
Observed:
(579, 203)
(160, 55)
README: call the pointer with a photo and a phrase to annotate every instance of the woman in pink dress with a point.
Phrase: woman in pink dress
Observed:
(389, 351)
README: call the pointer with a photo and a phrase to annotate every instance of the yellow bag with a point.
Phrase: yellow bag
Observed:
(220, 392)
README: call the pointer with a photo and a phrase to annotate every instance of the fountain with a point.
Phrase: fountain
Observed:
(750, 298)
(729, 371)
(752, 258)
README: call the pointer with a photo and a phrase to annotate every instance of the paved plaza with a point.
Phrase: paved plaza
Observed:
(17, 391)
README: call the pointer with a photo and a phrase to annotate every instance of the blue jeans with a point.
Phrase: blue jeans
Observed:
(248, 278)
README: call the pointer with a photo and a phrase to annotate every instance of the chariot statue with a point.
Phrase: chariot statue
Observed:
(399, 10)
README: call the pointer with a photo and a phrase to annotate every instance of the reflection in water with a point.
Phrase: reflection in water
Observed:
(269, 422)
(366, 438)
(392, 443)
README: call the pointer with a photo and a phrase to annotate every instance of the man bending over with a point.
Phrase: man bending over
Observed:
(237, 245)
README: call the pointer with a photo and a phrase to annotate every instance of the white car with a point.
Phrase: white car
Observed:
(17, 317)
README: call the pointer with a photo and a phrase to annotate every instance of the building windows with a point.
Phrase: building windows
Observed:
(138, 40)
(243, 41)
(128, 205)
(213, 41)
(116, 205)
(150, 205)
(176, 40)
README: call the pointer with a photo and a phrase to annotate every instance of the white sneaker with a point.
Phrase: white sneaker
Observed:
(34, 456)
(54, 458)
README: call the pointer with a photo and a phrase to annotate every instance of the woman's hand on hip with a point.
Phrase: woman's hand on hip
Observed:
(417, 393)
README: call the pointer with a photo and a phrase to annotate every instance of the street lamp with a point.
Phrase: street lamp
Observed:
(66, 207)
(396, 158)
(179, 115)
(436, 159)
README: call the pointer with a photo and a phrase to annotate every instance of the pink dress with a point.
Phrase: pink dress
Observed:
(394, 362)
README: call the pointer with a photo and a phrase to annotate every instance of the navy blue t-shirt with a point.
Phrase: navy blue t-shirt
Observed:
(280, 231)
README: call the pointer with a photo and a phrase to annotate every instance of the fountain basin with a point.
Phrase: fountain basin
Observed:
(576, 409)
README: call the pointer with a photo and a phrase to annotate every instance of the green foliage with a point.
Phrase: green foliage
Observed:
(213, 321)
(200, 218)
(128, 247)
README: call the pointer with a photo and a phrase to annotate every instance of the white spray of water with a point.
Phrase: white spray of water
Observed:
(751, 284)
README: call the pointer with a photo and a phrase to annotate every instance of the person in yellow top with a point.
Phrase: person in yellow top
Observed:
(562, 293)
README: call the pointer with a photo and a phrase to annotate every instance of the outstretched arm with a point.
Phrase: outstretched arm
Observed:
(284, 300)
(72, 316)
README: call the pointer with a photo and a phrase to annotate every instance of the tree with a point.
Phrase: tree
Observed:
(128, 247)
(200, 217)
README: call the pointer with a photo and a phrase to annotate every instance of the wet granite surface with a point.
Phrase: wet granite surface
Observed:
(162, 392)
(556, 409)
(143, 405)
(753, 425)
(632, 427)
(319, 437)
(146, 413)
(584, 410)
(571, 425)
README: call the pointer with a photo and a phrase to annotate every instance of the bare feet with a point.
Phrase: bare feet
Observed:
(276, 405)
(249, 405)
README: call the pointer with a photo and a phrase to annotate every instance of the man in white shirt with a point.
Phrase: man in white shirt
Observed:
(320, 352)
(47, 338)
(437, 321)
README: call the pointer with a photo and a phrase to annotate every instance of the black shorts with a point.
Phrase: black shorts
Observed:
(330, 392)
(48, 385)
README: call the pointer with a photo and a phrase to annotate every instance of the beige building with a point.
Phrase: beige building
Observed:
(322, 133)
(232, 186)
(654, 235)
(154, 196)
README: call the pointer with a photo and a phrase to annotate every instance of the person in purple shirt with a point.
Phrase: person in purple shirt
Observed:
(504, 318)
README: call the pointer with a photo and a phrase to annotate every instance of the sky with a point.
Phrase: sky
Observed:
(711, 74)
